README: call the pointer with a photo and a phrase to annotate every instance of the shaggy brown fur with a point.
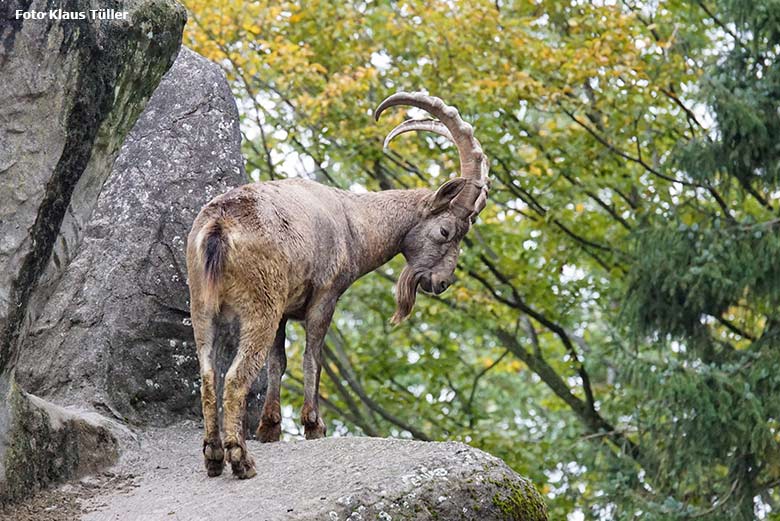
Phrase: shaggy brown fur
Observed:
(280, 250)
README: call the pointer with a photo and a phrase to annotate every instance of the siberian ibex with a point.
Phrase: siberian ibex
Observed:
(286, 250)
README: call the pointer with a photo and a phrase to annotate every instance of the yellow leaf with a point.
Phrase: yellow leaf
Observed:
(251, 28)
(516, 366)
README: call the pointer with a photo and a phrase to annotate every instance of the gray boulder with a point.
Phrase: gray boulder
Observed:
(328, 479)
(115, 332)
(44, 443)
(71, 91)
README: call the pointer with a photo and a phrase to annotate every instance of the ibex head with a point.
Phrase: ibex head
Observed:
(432, 246)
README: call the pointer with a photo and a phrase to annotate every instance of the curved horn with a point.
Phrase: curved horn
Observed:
(473, 162)
(429, 125)
(469, 149)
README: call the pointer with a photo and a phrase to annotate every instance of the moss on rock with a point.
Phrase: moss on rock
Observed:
(45, 443)
(519, 500)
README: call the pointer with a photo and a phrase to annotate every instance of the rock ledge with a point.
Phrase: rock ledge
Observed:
(328, 479)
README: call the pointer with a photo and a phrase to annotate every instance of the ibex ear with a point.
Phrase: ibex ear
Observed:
(446, 193)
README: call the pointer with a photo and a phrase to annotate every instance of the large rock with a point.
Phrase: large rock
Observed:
(328, 479)
(116, 332)
(71, 91)
(45, 443)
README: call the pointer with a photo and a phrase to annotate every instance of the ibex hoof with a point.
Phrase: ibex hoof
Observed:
(240, 461)
(269, 432)
(315, 430)
(214, 458)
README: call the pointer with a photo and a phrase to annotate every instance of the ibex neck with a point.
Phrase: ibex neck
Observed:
(380, 222)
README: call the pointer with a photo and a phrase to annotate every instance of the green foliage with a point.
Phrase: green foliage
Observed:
(685, 275)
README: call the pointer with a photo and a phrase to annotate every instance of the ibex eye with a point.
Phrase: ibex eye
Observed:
(444, 232)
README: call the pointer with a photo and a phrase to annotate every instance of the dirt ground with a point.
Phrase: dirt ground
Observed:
(161, 478)
(67, 502)
(71, 501)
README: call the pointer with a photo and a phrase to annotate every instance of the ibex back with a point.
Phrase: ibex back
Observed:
(286, 250)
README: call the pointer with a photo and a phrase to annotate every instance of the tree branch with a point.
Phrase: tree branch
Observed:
(371, 404)
(589, 416)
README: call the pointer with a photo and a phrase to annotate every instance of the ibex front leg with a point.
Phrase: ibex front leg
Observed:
(316, 324)
(270, 428)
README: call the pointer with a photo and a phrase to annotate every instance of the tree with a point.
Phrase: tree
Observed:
(611, 334)
(704, 286)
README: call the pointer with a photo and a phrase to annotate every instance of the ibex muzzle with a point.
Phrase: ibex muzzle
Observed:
(287, 250)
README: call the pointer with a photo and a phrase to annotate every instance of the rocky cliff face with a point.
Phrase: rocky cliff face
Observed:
(71, 91)
(115, 332)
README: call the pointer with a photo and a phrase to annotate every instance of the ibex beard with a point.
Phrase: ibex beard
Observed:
(406, 293)
(287, 250)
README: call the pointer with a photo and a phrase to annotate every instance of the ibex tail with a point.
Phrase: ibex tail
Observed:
(214, 248)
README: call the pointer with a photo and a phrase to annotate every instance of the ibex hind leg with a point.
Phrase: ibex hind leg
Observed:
(203, 323)
(257, 335)
(270, 428)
